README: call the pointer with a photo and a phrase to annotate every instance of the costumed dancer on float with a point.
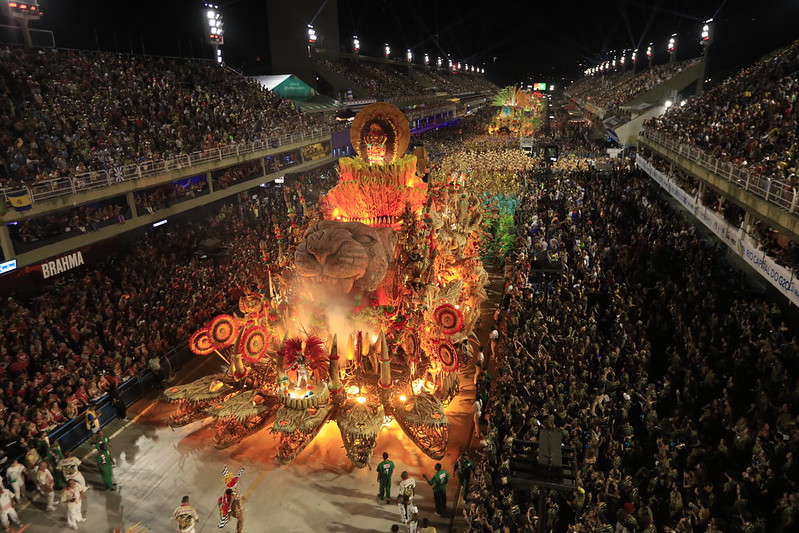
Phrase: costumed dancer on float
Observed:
(230, 502)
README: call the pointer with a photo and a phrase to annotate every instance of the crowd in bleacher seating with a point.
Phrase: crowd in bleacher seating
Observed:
(65, 112)
(622, 87)
(229, 176)
(784, 251)
(455, 83)
(151, 200)
(83, 219)
(378, 80)
(675, 384)
(749, 119)
(59, 350)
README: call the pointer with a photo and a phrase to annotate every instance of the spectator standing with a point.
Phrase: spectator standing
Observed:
(385, 469)
(186, 516)
(439, 484)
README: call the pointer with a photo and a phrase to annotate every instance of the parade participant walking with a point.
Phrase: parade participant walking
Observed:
(46, 483)
(15, 480)
(463, 469)
(73, 495)
(409, 514)
(7, 512)
(186, 516)
(385, 469)
(439, 484)
(407, 485)
(100, 438)
(54, 456)
(106, 465)
(69, 467)
(230, 505)
(426, 527)
(493, 337)
(479, 361)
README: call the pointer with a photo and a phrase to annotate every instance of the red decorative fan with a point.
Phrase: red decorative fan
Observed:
(447, 355)
(200, 342)
(449, 318)
(223, 331)
(253, 344)
(411, 345)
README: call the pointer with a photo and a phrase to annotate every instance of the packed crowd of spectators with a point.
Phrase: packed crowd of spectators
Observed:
(151, 200)
(379, 81)
(749, 119)
(783, 250)
(59, 350)
(65, 112)
(455, 84)
(619, 88)
(675, 384)
(48, 228)
(228, 176)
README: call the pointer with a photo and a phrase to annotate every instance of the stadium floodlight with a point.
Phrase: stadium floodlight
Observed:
(409, 55)
(621, 60)
(668, 103)
(649, 51)
(672, 47)
(634, 56)
(214, 30)
(387, 51)
(356, 44)
(707, 32)
(438, 62)
(214, 25)
(426, 59)
(311, 35)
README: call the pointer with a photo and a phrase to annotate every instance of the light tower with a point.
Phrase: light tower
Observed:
(409, 55)
(438, 62)
(387, 51)
(214, 34)
(426, 59)
(707, 40)
(649, 55)
(672, 48)
(356, 45)
(634, 59)
(23, 11)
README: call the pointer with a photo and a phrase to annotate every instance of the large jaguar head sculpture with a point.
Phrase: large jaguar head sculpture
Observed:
(343, 255)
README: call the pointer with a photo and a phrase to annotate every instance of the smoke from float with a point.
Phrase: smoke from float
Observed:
(365, 315)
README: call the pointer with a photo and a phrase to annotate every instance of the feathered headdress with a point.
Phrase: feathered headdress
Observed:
(314, 355)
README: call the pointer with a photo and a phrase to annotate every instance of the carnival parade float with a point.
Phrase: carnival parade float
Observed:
(364, 318)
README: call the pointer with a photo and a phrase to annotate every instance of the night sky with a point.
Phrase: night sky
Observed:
(515, 40)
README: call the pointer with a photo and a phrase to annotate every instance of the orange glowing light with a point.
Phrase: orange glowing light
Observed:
(353, 389)
(403, 398)
(360, 399)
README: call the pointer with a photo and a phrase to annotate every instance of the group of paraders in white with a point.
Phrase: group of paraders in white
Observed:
(13, 491)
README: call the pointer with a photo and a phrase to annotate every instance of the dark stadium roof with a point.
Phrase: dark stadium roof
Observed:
(541, 40)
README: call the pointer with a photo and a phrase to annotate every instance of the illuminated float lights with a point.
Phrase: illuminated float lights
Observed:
(385, 220)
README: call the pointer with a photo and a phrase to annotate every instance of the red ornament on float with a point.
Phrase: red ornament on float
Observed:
(223, 331)
(200, 342)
